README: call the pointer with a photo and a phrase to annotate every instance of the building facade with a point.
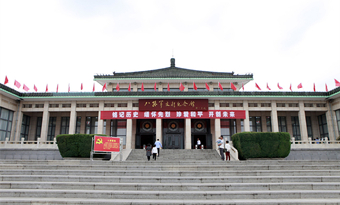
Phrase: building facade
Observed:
(173, 104)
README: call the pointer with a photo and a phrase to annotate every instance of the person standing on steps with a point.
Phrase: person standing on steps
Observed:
(220, 144)
(154, 152)
(158, 146)
(148, 151)
(198, 143)
(227, 152)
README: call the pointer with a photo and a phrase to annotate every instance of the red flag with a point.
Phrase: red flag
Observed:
(194, 85)
(69, 87)
(129, 89)
(299, 86)
(6, 80)
(81, 86)
(57, 87)
(220, 86)
(242, 86)
(326, 87)
(168, 87)
(257, 86)
(290, 87)
(117, 87)
(155, 86)
(35, 88)
(207, 86)
(25, 88)
(337, 83)
(94, 87)
(142, 88)
(17, 84)
(279, 86)
(181, 87)
(46, 88)
(104, 87)
(268, 87)
(314, 87)
(233, 86)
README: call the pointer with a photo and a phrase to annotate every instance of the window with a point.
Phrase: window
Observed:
(91, 125)
(282, 124)
(54, 105)
(6, 119)
(308, 104)
(323, 126)
(135, 104)
(198, 89)
(66, 105)
(252, 104)
(94, 105)
(65, 124)
(25, 127)
(78, 124)
(109, 105)
(320, 105)
(296, 128)
(293, 104)
(211, 104)
(309, 126)
(228, 128)
(121, 90)
(280, 105)
(266, 105)
(81, 105)
(242, 125)
(51, 128)
(122, 104)
(118, 129)
(224, 104)
(27, 106)
(269, 123)
(237, 104)
(255, 124)
(337, 114)
(38, 128)
(39, 105)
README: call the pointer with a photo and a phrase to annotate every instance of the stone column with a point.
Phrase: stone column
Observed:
(73, 118)
(100, 121)
(18, 121)
(187, 134)
(128, 133)
(330, 125)
(217, 130)
(159, 130)
(274, 118)
(45, 121)
(302, 122)
(246, 121)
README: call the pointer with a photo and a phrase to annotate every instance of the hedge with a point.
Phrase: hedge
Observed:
(76, 145)
(262, 144)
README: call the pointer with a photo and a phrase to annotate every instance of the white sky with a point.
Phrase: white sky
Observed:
(60, 42)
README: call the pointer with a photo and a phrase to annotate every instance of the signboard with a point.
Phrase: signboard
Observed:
(173, 105)
(210, 114)
(106, 144)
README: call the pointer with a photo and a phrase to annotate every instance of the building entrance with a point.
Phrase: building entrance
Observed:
(201, 129)
(145, 133)
(173, 134)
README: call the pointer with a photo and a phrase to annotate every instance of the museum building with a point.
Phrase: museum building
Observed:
(173, 104)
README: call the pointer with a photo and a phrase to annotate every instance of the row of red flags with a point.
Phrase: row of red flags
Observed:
(181, 87)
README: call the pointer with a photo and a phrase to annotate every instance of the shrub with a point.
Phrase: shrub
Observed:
(76, 145)
(262, 144)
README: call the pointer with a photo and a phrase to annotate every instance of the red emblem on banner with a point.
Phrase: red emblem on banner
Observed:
(106, 144)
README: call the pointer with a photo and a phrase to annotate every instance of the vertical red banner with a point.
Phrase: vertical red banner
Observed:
(106, 144)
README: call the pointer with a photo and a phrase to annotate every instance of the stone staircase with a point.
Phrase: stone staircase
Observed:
(200, 178)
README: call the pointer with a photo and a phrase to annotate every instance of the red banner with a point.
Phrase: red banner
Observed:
(173, 105)
(135, 114)
(106, 144)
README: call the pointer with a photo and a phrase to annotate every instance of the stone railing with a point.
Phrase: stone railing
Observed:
(29, 144)
(324, 143)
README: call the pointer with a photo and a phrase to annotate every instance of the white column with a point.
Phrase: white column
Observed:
(100, 121)
(128, 134)
(302, 122)
(18, 121)
(159, 130)
(217, 130)
(330, 125)
(246, 121)
(73, 118)
(45, 120)
(187, 135)
(274, 118)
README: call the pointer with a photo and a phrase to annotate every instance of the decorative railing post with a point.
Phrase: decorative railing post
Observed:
(22, 141)
(309, 140)
(38, 142)
(293, 140)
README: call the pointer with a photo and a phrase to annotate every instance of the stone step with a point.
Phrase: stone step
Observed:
(87, 201)
(137, 172)
(202, 195)
(169, 179)
(171, 186)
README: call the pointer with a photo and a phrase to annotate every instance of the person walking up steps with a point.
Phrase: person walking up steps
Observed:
(154, 152)
(148, 151)
(158, 146)
(220, 144)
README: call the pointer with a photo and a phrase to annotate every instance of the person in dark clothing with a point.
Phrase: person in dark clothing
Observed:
(148, 151)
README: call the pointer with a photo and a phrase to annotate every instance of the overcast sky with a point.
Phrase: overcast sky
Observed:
(60, 42)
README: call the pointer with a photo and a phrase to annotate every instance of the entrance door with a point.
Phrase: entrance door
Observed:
(201, 129)
(173, 134)
(173, 141)
(145, 133)
(147, 139)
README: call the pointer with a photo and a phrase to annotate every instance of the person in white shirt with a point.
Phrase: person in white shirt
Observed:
(220, 144)
(227, 153)
(154, 152)
(198, 143)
